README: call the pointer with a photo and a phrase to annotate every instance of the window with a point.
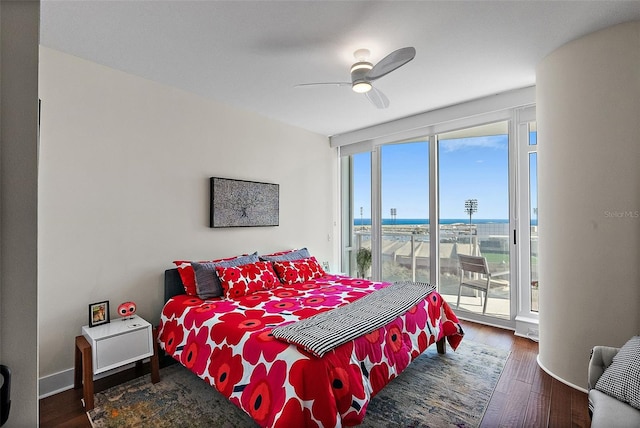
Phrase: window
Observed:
(357, 217)
(405, 211)
(527, 231)
(473, 166)
(533, 225)
(457, 186)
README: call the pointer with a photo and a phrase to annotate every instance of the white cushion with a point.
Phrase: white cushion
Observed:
(611, 413)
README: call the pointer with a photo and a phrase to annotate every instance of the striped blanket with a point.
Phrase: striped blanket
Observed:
(325, 331)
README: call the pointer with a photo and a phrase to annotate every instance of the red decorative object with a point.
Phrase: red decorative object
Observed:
(127, 309)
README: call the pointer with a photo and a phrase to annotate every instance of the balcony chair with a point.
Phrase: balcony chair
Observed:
(485, 279)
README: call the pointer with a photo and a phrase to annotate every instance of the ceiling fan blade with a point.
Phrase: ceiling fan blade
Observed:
(377, 98)
(308, 85)
(394, 60)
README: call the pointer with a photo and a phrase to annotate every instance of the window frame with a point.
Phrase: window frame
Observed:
(514, 107)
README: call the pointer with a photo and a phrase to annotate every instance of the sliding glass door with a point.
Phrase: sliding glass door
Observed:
(473, 166)
(528, 231)
(533, 218)
(414, 207)
(405, 211)
(356, 186)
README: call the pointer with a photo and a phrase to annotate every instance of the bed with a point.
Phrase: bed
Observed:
(229, 342)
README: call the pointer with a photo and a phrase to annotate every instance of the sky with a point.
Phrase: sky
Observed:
(470, 168)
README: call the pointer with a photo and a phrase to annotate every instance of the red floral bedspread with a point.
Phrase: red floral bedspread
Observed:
(227, 342)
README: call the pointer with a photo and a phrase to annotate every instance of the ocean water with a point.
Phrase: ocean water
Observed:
(425, 221)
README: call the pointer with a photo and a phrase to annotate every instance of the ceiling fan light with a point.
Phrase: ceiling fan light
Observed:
(361, 65)
(361, 87)
(360, 83)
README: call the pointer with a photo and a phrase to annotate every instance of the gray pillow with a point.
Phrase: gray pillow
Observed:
(300, 254)
(207, 281)
(621, 379)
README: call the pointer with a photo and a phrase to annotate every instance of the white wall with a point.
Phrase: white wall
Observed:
(18, 205)
(124, 190)
(588, 106)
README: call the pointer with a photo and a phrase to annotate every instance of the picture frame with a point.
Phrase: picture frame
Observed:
(242, 203)
(99, 313)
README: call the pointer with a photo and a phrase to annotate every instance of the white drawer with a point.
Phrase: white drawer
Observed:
(122, 349)
(119, 342)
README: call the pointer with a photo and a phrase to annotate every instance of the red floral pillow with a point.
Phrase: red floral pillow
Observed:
(187, 275)
(294, 271)
(238, 281)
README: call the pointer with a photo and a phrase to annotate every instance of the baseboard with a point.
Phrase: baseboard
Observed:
(558, 378)
(63, 381)
(466, 316)
(527, 327)
(55, 383)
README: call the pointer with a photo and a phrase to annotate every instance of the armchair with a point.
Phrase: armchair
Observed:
(605, 410)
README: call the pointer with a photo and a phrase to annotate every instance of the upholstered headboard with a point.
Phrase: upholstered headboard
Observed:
(172, 284)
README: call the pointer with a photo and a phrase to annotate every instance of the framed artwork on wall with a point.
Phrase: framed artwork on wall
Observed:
(240, 203)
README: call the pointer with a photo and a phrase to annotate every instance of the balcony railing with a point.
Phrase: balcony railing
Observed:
(406, 256)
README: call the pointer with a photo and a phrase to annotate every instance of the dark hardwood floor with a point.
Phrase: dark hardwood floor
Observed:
(525, 396)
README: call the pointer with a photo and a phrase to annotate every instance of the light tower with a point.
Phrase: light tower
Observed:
(470, 207)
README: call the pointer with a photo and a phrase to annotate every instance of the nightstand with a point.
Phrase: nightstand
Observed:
(112, 345)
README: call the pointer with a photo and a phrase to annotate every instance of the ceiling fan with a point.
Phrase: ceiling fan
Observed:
(363, 73)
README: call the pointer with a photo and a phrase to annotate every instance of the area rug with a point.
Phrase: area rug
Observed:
(450, 390)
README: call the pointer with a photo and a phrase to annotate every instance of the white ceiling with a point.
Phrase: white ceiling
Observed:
(250, 54)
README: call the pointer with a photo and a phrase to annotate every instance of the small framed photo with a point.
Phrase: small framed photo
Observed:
(98, 313)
